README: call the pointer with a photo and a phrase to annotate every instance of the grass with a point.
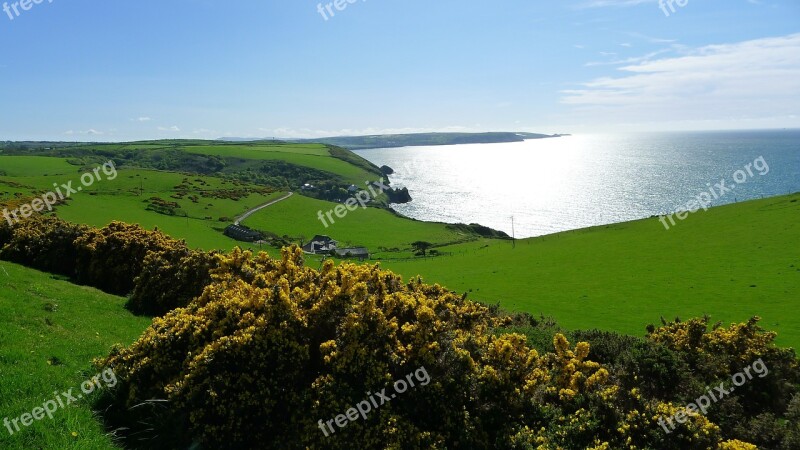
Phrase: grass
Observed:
(263, 147)
(313, 156)
(731, 262)
(125, 198)
(370, 227)
(27, 166)
(50, 330)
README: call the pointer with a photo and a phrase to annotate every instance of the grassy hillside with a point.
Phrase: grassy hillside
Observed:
(128, 197)
(50, 330)
(731, 262)
(199, 221)
(314, 156)
(275, 164)
(370, 227)
(207, 184)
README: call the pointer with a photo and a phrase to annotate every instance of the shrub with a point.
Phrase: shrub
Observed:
(658, 372)
(44, 243)
(272, 347)
(170, 279)
(715, 355)
(112, 257)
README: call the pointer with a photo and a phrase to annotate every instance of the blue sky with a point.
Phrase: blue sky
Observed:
(114, 70)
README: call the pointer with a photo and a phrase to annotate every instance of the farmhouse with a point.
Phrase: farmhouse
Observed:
(243, 233)
(354, 252)
(320, 244)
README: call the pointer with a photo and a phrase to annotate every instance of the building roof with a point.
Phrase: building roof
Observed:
(322, 238)
(353, 251)
(241, 232)
(320, 243)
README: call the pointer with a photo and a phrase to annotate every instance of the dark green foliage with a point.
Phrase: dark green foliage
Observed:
(112, 257)
(539, 331)
(45, 243)
(480, 230)
(162, 272)
(170, 279)
(421, 247)
(656, 370)
(276, 174)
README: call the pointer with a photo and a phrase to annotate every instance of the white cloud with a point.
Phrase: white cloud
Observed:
(651, 39)
(173, 128)
(633, 60)
(90, 132)
(143, 119)
(748, 80)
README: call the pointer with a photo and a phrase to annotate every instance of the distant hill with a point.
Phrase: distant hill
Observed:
(417, 139)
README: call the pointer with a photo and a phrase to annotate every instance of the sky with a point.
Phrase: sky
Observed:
(80, 70)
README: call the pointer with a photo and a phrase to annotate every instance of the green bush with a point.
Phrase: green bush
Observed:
(170, 279)
(111, 258)
(654, 369)
(42, 242)
(714, 354)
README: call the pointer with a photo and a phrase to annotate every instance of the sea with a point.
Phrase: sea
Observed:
(545, 186)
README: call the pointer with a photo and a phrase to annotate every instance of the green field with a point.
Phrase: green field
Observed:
(370, 227)
(314, 156)
(731, 262)
(125, 198)
(50, 330)
(29, 166)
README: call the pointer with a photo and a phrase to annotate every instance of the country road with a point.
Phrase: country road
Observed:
(259, 208)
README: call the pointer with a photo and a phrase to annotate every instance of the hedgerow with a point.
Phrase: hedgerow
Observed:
(44, 243)
(160, 273)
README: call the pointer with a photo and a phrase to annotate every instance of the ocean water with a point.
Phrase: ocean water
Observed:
(558, 184)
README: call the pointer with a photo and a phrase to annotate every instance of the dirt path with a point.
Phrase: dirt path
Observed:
(259, 208)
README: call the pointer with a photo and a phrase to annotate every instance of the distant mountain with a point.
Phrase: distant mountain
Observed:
(417, 139)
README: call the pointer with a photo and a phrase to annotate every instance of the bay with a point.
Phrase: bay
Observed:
(571, 182)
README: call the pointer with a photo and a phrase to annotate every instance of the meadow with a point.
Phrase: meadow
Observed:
(315, 156)
(50, 331)
(731, 262)
(364, 227)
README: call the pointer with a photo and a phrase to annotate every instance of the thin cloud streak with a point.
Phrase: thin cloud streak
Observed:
(752, 79)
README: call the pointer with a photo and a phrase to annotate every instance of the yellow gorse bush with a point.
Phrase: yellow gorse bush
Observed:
(267, 347)
(272, 346)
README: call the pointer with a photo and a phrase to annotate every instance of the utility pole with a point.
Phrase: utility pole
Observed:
(513, 234)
